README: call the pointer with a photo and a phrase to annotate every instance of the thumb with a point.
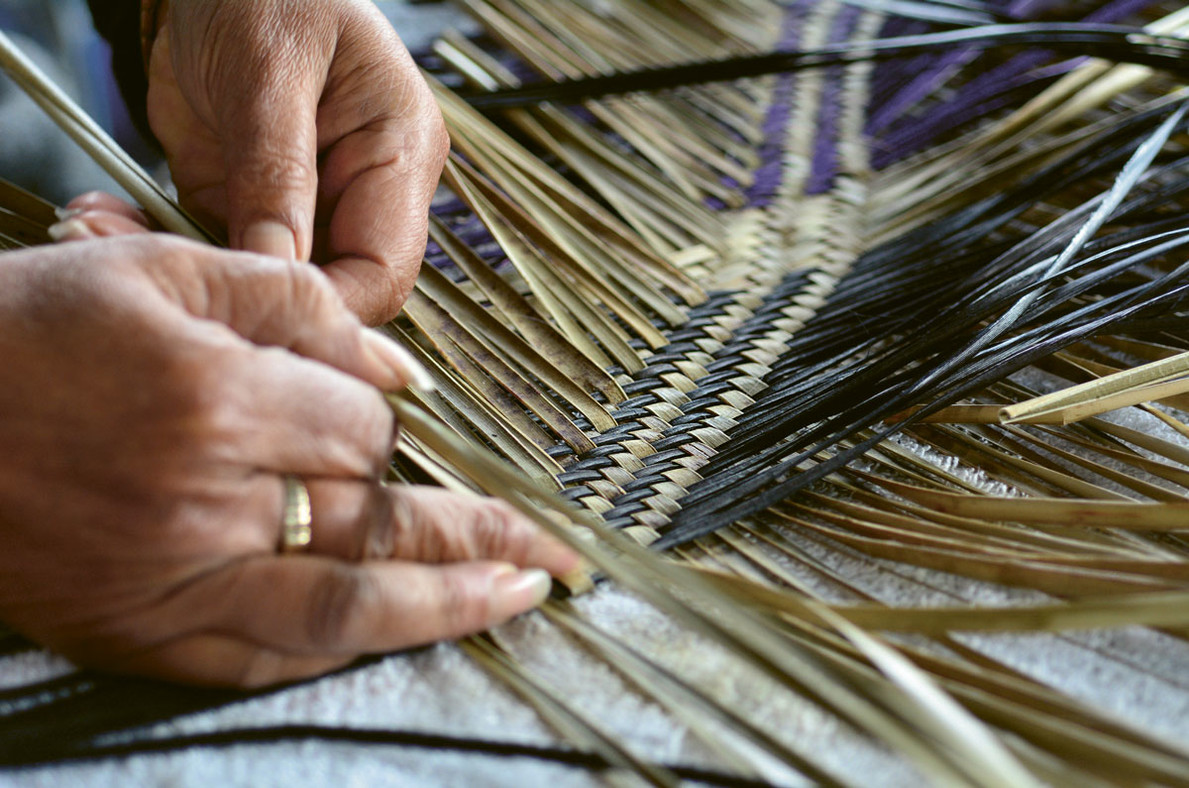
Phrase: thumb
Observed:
(269, 135)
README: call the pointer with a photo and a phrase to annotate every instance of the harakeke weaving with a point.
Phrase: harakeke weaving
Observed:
(773, 352)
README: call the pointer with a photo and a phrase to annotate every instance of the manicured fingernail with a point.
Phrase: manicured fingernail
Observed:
(271, 238)
(70, 230)
(66, 214)
(515, 592)
(399, 361)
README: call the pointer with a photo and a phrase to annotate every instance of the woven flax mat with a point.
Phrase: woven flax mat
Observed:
(773, 351)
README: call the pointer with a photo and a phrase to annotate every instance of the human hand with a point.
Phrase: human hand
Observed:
(302, 130)
(154, 393)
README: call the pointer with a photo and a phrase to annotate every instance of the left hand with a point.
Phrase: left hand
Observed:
(305, 131)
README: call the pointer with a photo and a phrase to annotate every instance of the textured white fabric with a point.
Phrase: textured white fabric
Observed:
(1139, 675)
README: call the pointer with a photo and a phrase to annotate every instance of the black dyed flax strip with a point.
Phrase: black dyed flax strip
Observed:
(237, 737)
(909, 289)
(628, 414)
(972, 331)
(695, 412)
(1110, 42)
(62, 718)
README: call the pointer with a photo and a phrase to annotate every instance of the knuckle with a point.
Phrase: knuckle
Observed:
(156, 250)
(410, 536)
(380, 432)
(174, 265)
(311, 293)
(306, 303)
(438, 139)
(399, 511)
(360, 445)
(425, 141)
(500, 531)
(460, 609)
(339, 604)
(273, 170)
(378, 529)
(426, 133)
(208, 402)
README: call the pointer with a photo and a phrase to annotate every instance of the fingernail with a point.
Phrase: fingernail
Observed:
(580, 580)
(70, 230)
(399, 361)
(271, 238)
(515, 592)
(66, 214)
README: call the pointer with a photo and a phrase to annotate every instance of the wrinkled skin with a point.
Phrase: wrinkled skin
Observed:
(153, 394)
(303, 130)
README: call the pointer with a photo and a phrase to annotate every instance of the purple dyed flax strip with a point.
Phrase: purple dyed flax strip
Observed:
(933, 71)
(768, 174)
(894, 76)
(825, 144)
(910, 138)
(903, 135)
(930, 72)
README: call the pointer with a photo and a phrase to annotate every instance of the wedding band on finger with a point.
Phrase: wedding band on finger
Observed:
(295, 516)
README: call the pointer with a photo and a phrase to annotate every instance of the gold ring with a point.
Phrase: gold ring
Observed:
(295, 516)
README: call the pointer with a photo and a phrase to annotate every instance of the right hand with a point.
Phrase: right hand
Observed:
(303, 130)
(154, 392)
